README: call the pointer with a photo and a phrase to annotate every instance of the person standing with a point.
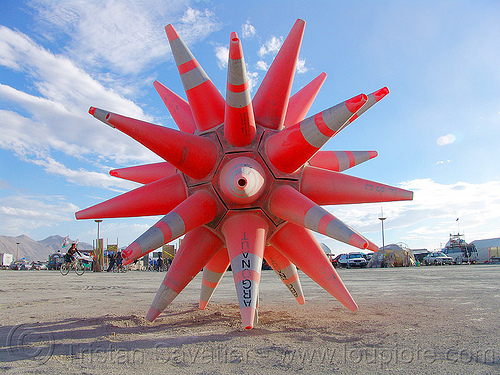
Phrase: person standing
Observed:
(118, 261)
(112, 261)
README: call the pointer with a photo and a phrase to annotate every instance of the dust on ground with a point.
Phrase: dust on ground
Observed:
(440, 320)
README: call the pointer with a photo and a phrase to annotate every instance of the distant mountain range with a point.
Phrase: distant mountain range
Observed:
(36, 250)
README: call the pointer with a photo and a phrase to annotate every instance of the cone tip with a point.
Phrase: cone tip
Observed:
(86, 213)
(379, 94)
(235, 50)
(161, 89)
(372, 246)
(356, 103)
(202, 304)
(248, 317)
(171, 33)
(113, 173)
(129, 251)
(300, 299)
(152, 314)
(352, 306)
(358, 241)
(92, 110)
(372, 154)
(300, 22)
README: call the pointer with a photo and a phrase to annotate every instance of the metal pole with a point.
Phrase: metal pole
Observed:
(382, 218)
(99, 250)
(383, 237)
(17, 251)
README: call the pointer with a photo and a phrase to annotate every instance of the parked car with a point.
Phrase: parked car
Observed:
(18, 265)
(335, 261)
(356, 260)
(38, 265)
(352, 260)
(368, 257)
(55, 261)
(437, 259)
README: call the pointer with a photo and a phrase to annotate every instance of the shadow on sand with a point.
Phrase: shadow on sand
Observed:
(72, 337)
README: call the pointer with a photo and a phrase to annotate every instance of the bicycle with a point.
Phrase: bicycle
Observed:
(119, 268)
(75, 264)
(149, 267)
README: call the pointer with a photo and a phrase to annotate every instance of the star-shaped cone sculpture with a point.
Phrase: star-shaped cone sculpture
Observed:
(244, 179)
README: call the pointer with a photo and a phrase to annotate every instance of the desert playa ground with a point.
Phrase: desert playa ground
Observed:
(439, 320)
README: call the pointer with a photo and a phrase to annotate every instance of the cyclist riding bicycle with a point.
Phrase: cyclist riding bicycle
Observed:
(69, 257)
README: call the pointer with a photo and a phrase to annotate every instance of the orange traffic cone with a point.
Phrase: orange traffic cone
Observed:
(286, 271)
(306, 213)
(198, 246)
(178, 108)
(206, 103)
(289, 149)
(239, 121)
(182, 150)
(156, 198)
(339, 161)
(198, 209)
(212, 274)
(326, 187)
(245, 235)
(292, 240)
(301, 101)
(146, 173)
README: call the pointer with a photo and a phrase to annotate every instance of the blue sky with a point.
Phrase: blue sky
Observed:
(436, 132)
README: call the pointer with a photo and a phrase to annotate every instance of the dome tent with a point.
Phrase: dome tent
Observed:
(393, 255)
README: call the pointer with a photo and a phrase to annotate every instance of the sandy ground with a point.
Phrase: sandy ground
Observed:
(439, 320)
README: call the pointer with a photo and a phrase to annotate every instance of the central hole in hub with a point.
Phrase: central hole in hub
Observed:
(242, 182)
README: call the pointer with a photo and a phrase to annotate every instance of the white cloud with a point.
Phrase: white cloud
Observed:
(427, 220)
(253, 79)
(49, 119)
(271, 46)
(301, 66)
(123, 36)
(443, 161)
(195, 25)
(222, 55)
(82, 176)
(248, 30)
(27, 212)
(59, 118)
(262, 65)
(446, 139)
(39, 216)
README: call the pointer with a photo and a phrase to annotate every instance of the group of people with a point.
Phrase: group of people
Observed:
(158, 264)
(115, 260)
